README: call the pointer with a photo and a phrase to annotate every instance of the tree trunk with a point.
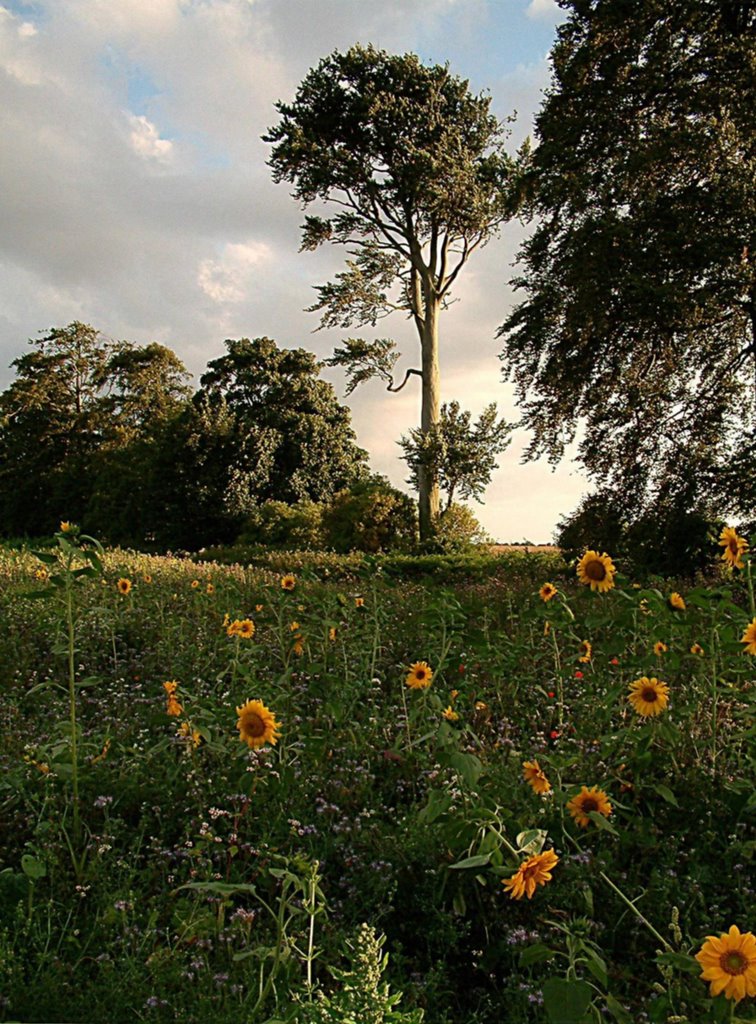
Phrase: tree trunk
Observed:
(430, 413)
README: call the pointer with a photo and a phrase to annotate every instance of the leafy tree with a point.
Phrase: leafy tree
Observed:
(51, 425)
(75, 428)
(463, 456)
(416, 167)
(639, 317)
(262, 427)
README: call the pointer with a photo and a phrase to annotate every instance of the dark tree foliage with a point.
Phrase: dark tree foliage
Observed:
(263, 426)
(639, 317)
(75, 427)
(415, 166)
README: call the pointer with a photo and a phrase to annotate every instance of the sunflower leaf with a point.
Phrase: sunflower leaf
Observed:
(478, 861)
(600, 821)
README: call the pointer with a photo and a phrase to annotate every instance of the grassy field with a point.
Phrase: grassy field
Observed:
(228, 792)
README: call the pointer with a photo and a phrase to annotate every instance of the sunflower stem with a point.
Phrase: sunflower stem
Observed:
(560, 681)
(749, 577)
(72, 696)
(629, 903)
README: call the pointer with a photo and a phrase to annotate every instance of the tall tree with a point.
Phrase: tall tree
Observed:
(415, 165)
(639, 317)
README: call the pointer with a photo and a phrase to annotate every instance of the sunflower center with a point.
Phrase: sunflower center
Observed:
(420, 673)
(589, 804)
(254, 724)
(649, 695)
(595, 570)
(733, 546)
(733, 962)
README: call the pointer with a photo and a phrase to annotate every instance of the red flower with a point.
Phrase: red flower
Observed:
(578, 674)
(461, 668)
(615, 661)
(554, 734)
(551, 693)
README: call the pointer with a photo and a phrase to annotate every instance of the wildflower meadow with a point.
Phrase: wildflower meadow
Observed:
(339, 789)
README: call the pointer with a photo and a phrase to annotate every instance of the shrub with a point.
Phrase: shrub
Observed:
(370, 516)
(458, 528)
(290, 527)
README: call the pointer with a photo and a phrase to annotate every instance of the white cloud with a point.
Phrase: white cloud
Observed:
(231, 278)
(546, 10)
(145, 140)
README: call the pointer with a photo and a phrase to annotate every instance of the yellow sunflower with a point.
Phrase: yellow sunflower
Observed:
(174, 707)
(535, 777)
(676, 601)
(697, 649)
(649, 697)
(359, 602)
(451, 715)
(288, 582)
(66, 527)
(210, 589)
(734, 547)
(587, 800)
(332, 633)
(546, 628)
(245, 628)
(586, 651)
(188, 732)
(531, 873)
(419, 676)
(660, 648)
(547, 591)
(195, 584)
(257, 725)
(729, 964)
(749, 638)
(596, 571)
(170, 687)
(259, 607)
(124, 586)
(146, 578)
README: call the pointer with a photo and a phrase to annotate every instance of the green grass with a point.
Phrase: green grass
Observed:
(217, 882)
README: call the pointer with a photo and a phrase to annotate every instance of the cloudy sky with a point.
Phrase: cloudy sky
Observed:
(135, 196)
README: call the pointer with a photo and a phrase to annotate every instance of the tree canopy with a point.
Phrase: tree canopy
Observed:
(416, 167)
(639, 316)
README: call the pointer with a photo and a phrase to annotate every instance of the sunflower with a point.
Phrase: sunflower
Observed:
(451, 715)
(547, 591)
(298, 646)
(40, 574)
(586, 651)
(697, 649)
(587, 800)
(546, 628)
(729, 964)
(419, 676)
(188, 732)
(174, 707)
(676, 601)
(535, 777)
(749, 638)
(170, 687)
(124, 586)
(649, 697)
(259, 607)
(660, 648)
(245, 629)
(596, 571)
(210, 589)
(146, 578)
(533, 872)
(232, 628)
(66, 527)
(288, 582)
(359, 602)
(734, 547)
(257, 724)
(195, 584)
(332, 633)
(293, 626)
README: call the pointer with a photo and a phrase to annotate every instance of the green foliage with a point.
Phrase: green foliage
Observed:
(638, 317)
(275, 524)
(460, 455)
(458, 529)
(362, 995)
(660, 540)
(370, 516)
